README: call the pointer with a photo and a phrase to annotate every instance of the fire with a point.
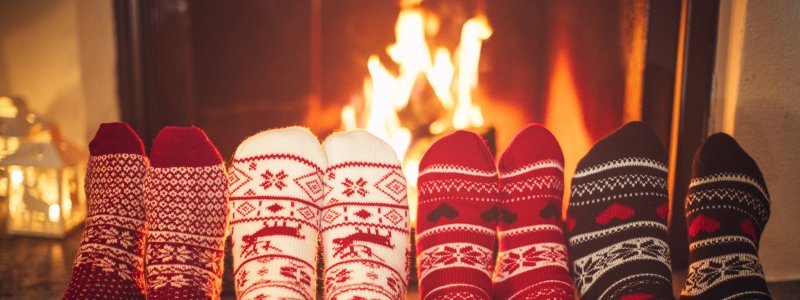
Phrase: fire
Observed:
(452, 77)
(564, 118)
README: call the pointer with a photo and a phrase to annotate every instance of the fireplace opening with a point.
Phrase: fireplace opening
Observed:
(409, 71)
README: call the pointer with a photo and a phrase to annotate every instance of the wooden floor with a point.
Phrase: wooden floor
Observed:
(36, 268)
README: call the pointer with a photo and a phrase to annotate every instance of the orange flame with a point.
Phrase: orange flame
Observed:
(385, 94)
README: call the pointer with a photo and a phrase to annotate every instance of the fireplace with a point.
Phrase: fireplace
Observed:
(411, 71)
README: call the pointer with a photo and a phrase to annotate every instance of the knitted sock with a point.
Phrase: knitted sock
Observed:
(185, 197)
(364, 219)
(456, 218)
(276, 193)
(109, 262)
(532, 262)
(617, 218)
(726, 211)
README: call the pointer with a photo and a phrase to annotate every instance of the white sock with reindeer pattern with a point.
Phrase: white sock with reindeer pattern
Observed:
(276, 192)
(365, 219)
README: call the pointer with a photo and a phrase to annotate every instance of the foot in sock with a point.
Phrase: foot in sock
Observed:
(456, 219)
(109, 262)
(365, 219)
(617, 218)
(726, 211)
(185, 197)
(276, 192)
(532, 259)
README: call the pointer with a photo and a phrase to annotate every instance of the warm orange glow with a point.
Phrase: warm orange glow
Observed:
(473, 33)
(453, 79)
(564, 118)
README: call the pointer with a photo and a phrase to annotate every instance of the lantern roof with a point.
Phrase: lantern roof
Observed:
(44, 155)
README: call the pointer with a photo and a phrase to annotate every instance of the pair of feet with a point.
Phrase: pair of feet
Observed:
(286, 188)
(616, 223)
(177, 204)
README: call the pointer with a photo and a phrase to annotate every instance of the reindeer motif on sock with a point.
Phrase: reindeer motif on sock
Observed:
(251, 241)
(349, 242)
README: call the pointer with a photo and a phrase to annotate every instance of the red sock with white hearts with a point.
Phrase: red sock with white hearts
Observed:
(532, 259)
(109, 262)
(185, 197)
(276, 192)
(456, 219)
(365, 219)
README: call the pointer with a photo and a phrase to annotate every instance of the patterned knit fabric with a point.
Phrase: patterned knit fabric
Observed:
(185, 197)
(456, 219)
(276, 192)
(726, 211)
(109, 262)
(617, 218)
(532, 262)
(365, 219)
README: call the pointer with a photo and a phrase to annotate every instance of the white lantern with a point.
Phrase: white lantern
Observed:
(43, 185)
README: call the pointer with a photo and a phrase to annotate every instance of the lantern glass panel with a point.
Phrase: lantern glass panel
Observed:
(34, 204)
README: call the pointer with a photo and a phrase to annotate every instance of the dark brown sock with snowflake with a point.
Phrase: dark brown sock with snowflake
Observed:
(726, 211)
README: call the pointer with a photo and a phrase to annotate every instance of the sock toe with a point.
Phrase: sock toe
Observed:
(113, 138)
(358, 145)
(183, 147)
(297, 140)
(461, 148)
(635, 139)
(720, 153)
(532, 144)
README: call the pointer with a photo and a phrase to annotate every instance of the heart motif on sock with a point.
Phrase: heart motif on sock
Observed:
(507, 216)
(747, 226)
(616, 210)
(703, 223)
(663, 210)
(490, 214)
(550, 211)
(443, 210)
(570, 223)
(637, 297)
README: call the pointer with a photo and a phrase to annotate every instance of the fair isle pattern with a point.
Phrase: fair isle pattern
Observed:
(452, 228)
(364, 228)
(542, 164)
(535, 183)
(621, 181)
(464, 255)
(733, 195)
(446, 185)
(618, 289)
(187, 215)
(707, 273)
(618, 197)
(444, 168)
(112, 248)
(730, 177)
(523, 259)
(274, 209)
(728, 239)
(621, 163)
(544, 290)
(581, 238)
(593, 266)
(529, 229)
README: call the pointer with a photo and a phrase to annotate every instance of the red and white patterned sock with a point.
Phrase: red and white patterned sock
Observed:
(365, 219)
(532, 259)
(109, 262)
(456, 219)
(276, 192)
(185, 197)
